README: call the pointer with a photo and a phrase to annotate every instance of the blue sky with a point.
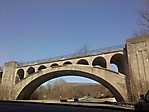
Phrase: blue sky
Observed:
(39, 29)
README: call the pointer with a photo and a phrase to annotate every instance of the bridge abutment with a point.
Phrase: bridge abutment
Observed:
(8, 81)
(138, 62)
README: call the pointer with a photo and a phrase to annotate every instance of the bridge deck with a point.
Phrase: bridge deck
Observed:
(75, 55)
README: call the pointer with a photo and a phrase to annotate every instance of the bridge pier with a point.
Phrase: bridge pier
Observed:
(138, 66)
(8, 81)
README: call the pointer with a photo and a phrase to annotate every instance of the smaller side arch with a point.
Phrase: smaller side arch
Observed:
(1, 72)
(99, 61)
(67, 63)
(117, 59)
(42, 67)
(31, 70)
(20, 73)
(83, 62)
(54, 65)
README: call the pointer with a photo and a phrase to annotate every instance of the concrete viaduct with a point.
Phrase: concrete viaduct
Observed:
(19, 81)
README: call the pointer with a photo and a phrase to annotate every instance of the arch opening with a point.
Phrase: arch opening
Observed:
(67, 63)
(83, 62)
(1, 73)
(99, 61)
(20, 74)
(31, 70)
(70, 87)
(42, 67)
(117, 60)
(54, 65)
(30, 88)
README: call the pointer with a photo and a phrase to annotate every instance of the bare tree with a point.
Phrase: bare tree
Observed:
(145, 17)
(58, 86)
(40, 93)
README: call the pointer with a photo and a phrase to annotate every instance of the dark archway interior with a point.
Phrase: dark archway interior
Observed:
(117, 59)
(30, 88)
(42, 67)
(99, 61)
(30, 70)
(1, 73)
(20, 73)
(83, 62)
(54, 65)
(67, 63)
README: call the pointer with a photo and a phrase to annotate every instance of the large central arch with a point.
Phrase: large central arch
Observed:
(115, 82)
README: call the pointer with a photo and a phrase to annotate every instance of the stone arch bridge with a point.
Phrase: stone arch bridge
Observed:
(18, 81)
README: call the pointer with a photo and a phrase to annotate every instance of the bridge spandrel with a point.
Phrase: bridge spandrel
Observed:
(90, 60)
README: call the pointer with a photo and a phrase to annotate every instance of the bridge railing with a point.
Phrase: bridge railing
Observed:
(77, 54)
